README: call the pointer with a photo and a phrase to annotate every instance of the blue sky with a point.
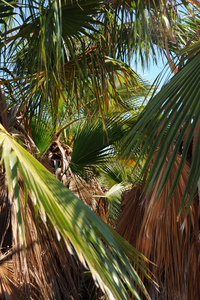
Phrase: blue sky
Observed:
(153, 71)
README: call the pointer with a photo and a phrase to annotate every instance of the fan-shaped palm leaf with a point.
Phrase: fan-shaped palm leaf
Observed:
(94, 142)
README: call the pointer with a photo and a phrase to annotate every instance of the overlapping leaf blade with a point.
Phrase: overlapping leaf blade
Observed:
(77, 222)
(172, 116)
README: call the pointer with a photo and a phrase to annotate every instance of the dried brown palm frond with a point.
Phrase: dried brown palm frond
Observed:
(55, 272)
(83, 188)
(83, 191)
(10, 288)
(171, 242)
(8, 285)
(46, 269)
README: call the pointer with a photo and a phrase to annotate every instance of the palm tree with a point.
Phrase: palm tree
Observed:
(55, 74)
(61, 67)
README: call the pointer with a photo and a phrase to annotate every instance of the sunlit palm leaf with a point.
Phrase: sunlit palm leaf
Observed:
(140, 31)
(172, 116)
(186, 29)
(146, 29)
(75, 221)
(107, 83)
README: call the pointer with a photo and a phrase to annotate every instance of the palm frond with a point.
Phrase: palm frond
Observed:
(113, 173)
(113, 197)
(93, 142)
(142, 30)
(169, 241)
(172, 117)
(74, 221)
(133, 29)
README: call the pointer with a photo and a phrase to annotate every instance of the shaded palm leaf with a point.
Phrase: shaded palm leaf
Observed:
(94, 142)
(113, 173)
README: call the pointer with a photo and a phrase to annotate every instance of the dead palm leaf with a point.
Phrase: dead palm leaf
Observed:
(169, 241)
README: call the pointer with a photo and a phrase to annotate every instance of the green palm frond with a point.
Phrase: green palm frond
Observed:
(118, 171)
(113, 173)
(42, 133)
(7, 10)
(138, 29)
(186, 29)
(113, 197)
(93, 142)
(69, 216)
(133, 29)
(55, 58)
(102, 84)
(40, 45)
(51, 33)
(172, 117)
